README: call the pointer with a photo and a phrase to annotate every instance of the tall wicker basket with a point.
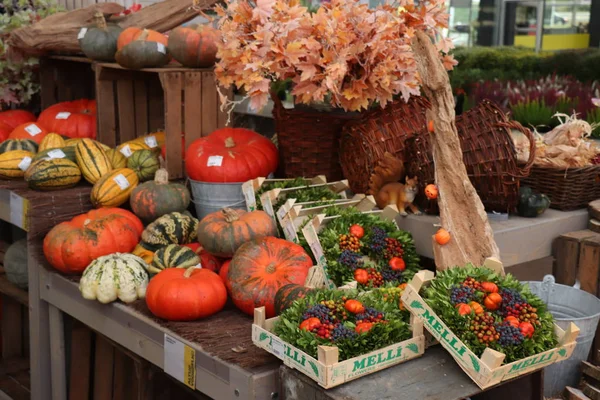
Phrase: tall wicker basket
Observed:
(488, 153)
(381, 130)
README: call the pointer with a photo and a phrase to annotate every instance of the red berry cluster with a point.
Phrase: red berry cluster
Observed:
(324, 331)
(596, 159)
(524, 312)
(349, 242)
(393, 248)
(370, 315)
(472, 283)
(375, 278)
(483, 326)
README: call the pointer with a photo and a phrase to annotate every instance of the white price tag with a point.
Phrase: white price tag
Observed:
(180, 361)
(63, 115)
(56, 153)
(214, 161)
(33, 129)
(278, 347)
(25, 163)
(121, 181)
(82, 33)
(161, 48)
(151, 141)
(126, 151)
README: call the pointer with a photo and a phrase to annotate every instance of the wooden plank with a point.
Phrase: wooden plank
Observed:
(594, 225)
(47, 83)
(9, 289)
(107, 119)
(192, 126)
(126, 107)
(141, 107)
(209, 103)
(11, 326)
(124, 384)
(594, 209)
(590, 391)
(156, 104)
(81, 361)
(12, 365)
(589, 264)
(566, 251)
(590, 370)
(574, 394)
(103, 369)
(25, 331)
(57, 347)
(172, 85)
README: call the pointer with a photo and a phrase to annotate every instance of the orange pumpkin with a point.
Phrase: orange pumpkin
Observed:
(476, 307)
(363, 327)
(223, 274)
(74, 119)
(132, 33)
(354, 306)
(178, 294)
(513, 321)
(194, 46)
(492, 301)
(72, 245)
(221, 233)
(527, 329)
(261, 267)
(442, 237)
(489, 287)
(29, 130)
(13, 118)
(310, 324)
(431, 192)
(463, 309)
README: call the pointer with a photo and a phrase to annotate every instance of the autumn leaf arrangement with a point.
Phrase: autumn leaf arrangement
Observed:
(344, 55)
(357, 323)
(485, 310)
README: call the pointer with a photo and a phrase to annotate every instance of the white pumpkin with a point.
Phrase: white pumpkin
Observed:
(118, 275)
(15, 263)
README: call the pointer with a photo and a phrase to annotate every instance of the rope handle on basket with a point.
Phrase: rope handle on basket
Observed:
(522, 172)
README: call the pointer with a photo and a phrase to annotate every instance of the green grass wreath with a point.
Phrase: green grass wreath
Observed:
(485, 309)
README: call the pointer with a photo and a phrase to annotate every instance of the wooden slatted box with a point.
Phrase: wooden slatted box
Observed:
(64, 78)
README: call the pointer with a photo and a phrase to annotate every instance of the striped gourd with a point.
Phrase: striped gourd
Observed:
(117, 160)
(114, 188)
(144, 163)
(13, 164)
(52, 174)
(92, 160)
(152, 140)
(72, 142)
(64, 152)
(128, 148)
(173, 256)
(172, 228)
(51, 141)
(116, 276)
(143, 253)
(18, 144)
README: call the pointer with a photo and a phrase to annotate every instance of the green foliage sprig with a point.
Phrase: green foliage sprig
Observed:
(283, 184)
(395, 330)
(437, 296)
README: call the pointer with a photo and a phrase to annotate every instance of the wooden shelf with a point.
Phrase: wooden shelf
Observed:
(9, 289)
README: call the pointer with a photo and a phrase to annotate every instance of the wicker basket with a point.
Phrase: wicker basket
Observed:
(381, 130)
(309, 140)
(568, 189)
(488, 153)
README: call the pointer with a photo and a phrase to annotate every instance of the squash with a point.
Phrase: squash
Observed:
(172, 228)
(51, 141)
(114, 276)
(173, 256)
(442, 236)
(152, 140)
(74, 119)
(117, 160)
(531, 204)
(19, 144)
(13, 118)
(207, 260)
(72, 142)
(99, 42)
(154, 199)
(144, 163)
(194, 46)
(287, 294)
(15, 263)
(63, 152)
(141, 53)
(230, 155)
(132, 33)
(92, 160)
(178, 294)
(261, 267)
(223, 272)
(114, 188)
(5, 130)
(30, 130)
(128, 148)
(221, 233)
(13, 164)
(144, 254)
(72, 245)
(52, 174)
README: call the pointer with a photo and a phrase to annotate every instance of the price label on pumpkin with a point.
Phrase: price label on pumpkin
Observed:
(126, 151)
(151, 141)
(25, 163)
(63, 115)
(33, 129)
(56, 153)
(161, 48)
(121, 181)
(278, 347)
(82, 33)
(180, 361)
(214, 161)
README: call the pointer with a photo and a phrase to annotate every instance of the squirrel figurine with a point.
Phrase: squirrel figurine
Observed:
(385, 186)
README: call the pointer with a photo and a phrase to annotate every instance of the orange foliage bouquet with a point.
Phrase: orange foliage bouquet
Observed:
(345, 54)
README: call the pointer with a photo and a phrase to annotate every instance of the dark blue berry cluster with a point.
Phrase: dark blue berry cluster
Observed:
(341, 332)
(389, 275)
(378, 244)
(319, 311)
(510, 299)
(509, 335)
(370, 315)
(461, 294)
(351, 259)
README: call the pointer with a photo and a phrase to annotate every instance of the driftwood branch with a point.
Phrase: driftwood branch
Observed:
(461, 210)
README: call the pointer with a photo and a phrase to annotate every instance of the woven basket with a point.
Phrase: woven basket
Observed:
(568, 189)
(309, 140)
(488, 153)
(381, 130)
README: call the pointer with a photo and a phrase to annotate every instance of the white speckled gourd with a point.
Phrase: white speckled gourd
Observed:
(15, 263)
(120, 276)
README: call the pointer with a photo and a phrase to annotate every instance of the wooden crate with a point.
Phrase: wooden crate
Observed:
(326, 370)
(64, 78)
(181, 101)
(252, 186)
(487, 370)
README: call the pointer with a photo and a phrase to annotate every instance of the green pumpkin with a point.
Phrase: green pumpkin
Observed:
(173, 256)
(532, 204)
(173, 228)
(287, 294)
(142, 54)
(100, 41)
(144, 163)
(15, 263)
(18, 144)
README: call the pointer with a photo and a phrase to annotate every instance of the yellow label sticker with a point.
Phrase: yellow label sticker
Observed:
(189, 367)
(180, 361)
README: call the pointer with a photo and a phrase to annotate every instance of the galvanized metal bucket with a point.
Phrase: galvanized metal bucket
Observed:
(209, 197)
(568, 304)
